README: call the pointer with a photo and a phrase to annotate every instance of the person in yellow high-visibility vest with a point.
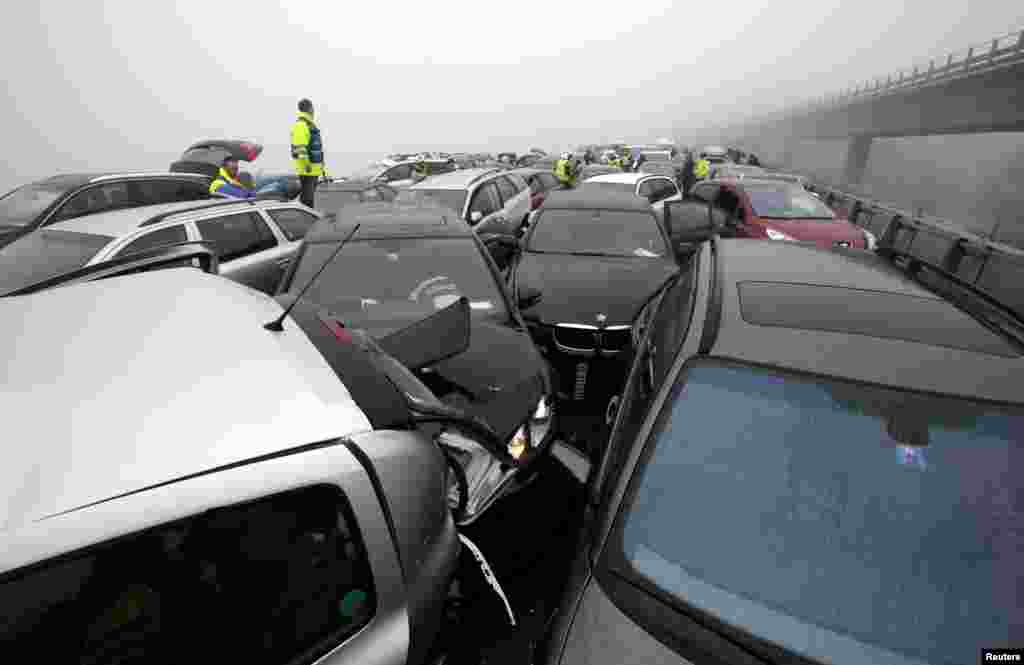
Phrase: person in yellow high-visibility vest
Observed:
(702, 168)
(307, 152)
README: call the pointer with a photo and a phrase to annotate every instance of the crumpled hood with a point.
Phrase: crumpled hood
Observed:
(819, 231)
(575, 289)
(501, 372)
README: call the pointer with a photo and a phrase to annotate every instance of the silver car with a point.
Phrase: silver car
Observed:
(494, 202)
(255, 240)
(183, 483)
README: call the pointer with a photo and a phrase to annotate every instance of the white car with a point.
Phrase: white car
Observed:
(658, 189)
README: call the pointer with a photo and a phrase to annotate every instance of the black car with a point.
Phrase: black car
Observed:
(404, 263)
(64, 197)
(330, 197)
(596, 257)
(816, 460)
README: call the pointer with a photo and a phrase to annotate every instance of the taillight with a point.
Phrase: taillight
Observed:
(338, 330)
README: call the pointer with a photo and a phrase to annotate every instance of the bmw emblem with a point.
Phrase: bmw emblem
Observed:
(601, 318)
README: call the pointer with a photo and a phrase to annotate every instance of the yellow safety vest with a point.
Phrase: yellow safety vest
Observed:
(301, 135)
(702, 169)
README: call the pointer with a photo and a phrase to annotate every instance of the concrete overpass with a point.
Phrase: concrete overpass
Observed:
(978, 89)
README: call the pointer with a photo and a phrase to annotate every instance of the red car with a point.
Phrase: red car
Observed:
(778, 210)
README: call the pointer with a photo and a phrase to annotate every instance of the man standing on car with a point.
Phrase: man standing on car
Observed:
(307, 152)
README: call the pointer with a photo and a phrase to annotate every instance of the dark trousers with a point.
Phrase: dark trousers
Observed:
(308, 194)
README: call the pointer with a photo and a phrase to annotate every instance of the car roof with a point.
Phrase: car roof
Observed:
(460, 179)
(120, 222)
(75, 180)
(145, 390)
(383, 220)
(625, 178)
(851, 313)
(349, 186)
(594, 199)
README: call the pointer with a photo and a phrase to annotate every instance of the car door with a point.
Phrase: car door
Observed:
(485, 213)
(247, 249)
(291, 225)
(515, 200)
(286, 560)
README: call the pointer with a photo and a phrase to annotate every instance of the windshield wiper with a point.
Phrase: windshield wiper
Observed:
(591, 253)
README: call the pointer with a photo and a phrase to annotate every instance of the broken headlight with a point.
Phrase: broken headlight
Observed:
(486, 476)
(535, 430)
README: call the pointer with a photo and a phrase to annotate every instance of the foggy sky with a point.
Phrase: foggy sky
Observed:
(128, 84)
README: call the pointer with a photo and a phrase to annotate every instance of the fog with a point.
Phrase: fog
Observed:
(128, 85)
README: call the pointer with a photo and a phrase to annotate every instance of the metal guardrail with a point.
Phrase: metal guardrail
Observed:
(993, 268)
(998, 52)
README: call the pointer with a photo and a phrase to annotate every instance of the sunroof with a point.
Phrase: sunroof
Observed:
(872, 313)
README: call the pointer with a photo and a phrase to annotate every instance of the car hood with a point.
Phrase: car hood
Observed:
(819, 231)
(576, 289)
(501, 374)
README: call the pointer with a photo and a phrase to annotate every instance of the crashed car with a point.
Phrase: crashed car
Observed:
(594, 258)
(283, 493)
(405, 263)
(66, 197)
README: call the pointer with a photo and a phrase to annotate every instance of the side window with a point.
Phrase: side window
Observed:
(485, 200)
(236, 236)
(166, 191)
(669, 325)
(667, 188)
(507, 189)
(646, 190)
(159, 238)
(95, 199)
(282, 579)
(536, 186)
(295, 224)
(518, 181)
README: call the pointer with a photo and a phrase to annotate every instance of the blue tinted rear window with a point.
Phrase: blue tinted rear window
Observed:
(889, 518)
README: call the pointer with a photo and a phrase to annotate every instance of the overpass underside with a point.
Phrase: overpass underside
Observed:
(991, 101)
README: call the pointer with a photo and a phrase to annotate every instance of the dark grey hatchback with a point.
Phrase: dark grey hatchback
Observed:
(817, 459)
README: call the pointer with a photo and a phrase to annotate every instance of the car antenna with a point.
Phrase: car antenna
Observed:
(276, 324)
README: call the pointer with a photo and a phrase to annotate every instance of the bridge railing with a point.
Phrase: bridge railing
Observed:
(993, 268)
(997, 52)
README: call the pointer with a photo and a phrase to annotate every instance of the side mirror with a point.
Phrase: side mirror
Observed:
(688, 221)
(475, 216)
(528, 296)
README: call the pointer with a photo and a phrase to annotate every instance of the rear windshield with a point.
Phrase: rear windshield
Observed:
(23, 205)
(603, 232)
(814, 512)
(786, 201)
(448, 198)
(44, 254)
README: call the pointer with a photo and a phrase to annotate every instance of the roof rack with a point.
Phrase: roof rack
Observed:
(220, 202)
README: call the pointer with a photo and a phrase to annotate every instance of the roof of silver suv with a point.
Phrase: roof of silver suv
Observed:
(125, 383)
(456, 179)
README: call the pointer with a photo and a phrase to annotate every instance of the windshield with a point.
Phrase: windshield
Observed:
(786, 201)
(25, 204)
(44, 254)
(368, 172)
(448, 198)
(412, 278)
(794, 506)
(605, 232)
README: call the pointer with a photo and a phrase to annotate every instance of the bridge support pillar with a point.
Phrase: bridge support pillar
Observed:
(856, 159)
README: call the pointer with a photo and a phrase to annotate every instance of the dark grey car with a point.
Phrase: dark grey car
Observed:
(815, 459)
(65, 197)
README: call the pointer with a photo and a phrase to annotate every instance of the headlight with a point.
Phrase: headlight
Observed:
(486, 478)
(533, 432)
(778, 235)
(870, 239)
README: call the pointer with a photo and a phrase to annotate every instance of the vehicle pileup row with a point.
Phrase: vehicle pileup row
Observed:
(441, 419)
